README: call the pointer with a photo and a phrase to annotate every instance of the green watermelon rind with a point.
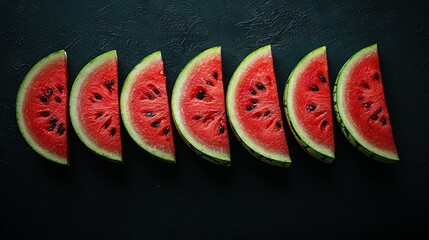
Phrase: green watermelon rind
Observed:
(19, 101)
(212, 155)
(345, 123)
(125, 112)
(307, 143)
(256, 150)
(74, 99)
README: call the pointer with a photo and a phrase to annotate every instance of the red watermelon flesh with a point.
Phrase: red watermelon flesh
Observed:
(366, 105)
(148, 107)
(204, 104)
(258, 106)
(43, 109)
(314, 102)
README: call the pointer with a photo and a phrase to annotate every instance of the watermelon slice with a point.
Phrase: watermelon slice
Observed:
(361, 109)
(41, 107)
(254, 111)
(144, 108)
(198, 107)
(307, 101)
(94, 106)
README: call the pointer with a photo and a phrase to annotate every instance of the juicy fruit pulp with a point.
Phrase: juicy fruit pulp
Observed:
(198, 107)
(42, 107)
(361, 108)
(254, 111)
(94, 106)
(307, 99)
(145, 110)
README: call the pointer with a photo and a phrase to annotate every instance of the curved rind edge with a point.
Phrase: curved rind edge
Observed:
(323, 154)
(19, 100)
(256, 151)
(350, 135)
(216, 157)
(77, 84)
(129, 81)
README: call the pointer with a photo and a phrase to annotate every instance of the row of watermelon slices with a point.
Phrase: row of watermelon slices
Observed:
(198, 107)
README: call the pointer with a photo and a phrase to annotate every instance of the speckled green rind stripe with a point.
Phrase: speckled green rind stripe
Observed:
(312, 148)
(213, 155)
(20, 99)
(125, 111)
(352, 136)
(247, 142)
(74, 99)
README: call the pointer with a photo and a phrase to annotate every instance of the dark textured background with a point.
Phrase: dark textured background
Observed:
(355, 197)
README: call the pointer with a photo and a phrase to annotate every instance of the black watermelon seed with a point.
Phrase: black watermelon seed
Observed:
(149, 114)
(198, 117)
(324, 122)
(252, 91)
(365, 85)
(374, 117)
(155, 124)
(260, 86)
(367, 105)
(112, 131)
(201, 95)
(58, 99)
(379, 110)
(221, 129)
(312, 107)
(215, 75)
(109, 84)
(52, 127)
(97, 96)
(250, 107)
(360, 98)
(156, 91)
(60, 89)
(278, 125)
(43, 98)
(53, 120)
(98, 115)
(209, 83)
(267, 113)
(107, 123)
(377, 76)
(314, 88)
(254, 101)
(149, 96)
(61, 129)
(322, 78)
(383, 121)
(44, 113)
(49, 92)
(166, 130)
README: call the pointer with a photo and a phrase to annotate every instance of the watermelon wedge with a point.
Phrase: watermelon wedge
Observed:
(145, 110)
(360, 106)
(198, 107)
(94, 106)
(307, 102)
(41, 107)
(254, 111)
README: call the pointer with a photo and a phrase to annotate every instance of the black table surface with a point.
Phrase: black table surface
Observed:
(355, 197)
